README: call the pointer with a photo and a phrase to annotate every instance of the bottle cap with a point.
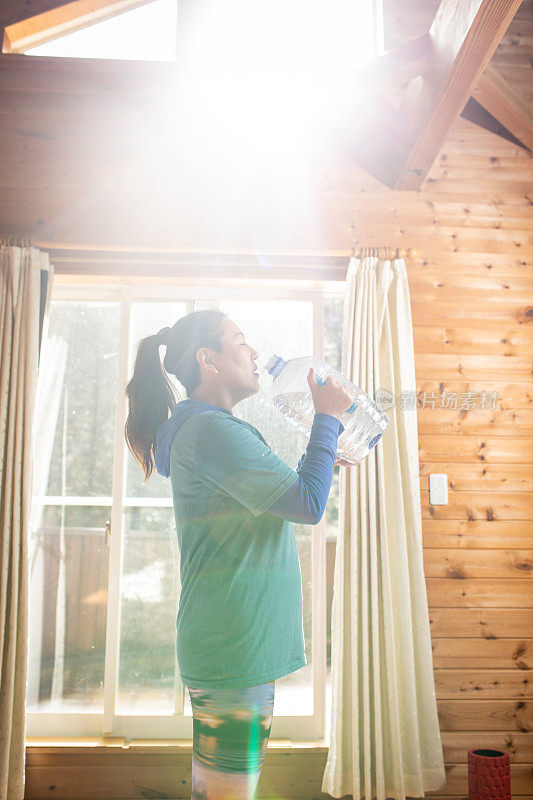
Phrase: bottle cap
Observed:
(272, 364)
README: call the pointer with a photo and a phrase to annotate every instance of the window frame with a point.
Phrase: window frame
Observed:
(178, 725)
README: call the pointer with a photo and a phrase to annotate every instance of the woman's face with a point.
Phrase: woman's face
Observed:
(235, 364)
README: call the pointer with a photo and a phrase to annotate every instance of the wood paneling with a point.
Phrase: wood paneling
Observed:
(506, 104)
(13, 10)
(92, 153)
(513, 58)
(75, 773)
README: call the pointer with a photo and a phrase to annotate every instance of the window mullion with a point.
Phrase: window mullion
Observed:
(112, 648)
(318, 560)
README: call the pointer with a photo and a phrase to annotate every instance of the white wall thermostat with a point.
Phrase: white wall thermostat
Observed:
(438, 489)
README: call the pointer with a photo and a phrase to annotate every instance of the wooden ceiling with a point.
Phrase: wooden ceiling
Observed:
(513, 59)
(84, 140)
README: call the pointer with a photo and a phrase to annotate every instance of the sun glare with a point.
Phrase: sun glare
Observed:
(272, 73)
(255, 86)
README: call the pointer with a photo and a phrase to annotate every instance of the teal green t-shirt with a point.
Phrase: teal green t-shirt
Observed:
(239, 620)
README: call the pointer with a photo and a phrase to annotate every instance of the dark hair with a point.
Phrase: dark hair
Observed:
(150, 393)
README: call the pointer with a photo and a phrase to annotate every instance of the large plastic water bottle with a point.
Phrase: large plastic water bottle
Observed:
(363, 422)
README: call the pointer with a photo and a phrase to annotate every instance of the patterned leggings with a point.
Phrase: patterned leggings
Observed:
(231, 728)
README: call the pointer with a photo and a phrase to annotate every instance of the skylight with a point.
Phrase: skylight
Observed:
(147, 33)
(267, 75)
(324, 36)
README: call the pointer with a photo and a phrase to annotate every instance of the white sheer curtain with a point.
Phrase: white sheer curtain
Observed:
(50, 392)
(385, 736)
(26, 278)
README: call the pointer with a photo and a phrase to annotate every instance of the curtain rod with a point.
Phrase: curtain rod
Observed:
(16, 241)
(383, 252)
(388, 253)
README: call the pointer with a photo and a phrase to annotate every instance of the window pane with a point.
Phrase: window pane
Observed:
(68, 608)
(203, 303)
(150, 573)
(333, 331)
(284, 327)
(73, 458)
(149, 596)
(75, 407)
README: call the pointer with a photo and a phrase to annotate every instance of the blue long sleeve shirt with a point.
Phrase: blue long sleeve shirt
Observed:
(305, 501)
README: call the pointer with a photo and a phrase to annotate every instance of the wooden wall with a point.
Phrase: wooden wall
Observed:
(72, 175)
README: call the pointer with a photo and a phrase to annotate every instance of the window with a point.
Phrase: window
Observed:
(103, 608)
(144, 33)
(295, 38)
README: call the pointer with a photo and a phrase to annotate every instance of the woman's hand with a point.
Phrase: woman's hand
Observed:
(340, 462)
(331, 398)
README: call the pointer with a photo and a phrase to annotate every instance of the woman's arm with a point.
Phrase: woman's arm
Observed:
(305, 501)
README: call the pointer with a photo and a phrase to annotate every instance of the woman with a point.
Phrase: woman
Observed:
(239, 624)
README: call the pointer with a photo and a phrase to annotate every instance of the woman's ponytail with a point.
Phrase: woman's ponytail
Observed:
(150, 393)
(150, 396)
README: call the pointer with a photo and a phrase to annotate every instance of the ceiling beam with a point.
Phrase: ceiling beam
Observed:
(111, 80)
(365, 125)
(464, 36)
(56, 18)
(396, 66)
(499, 98)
